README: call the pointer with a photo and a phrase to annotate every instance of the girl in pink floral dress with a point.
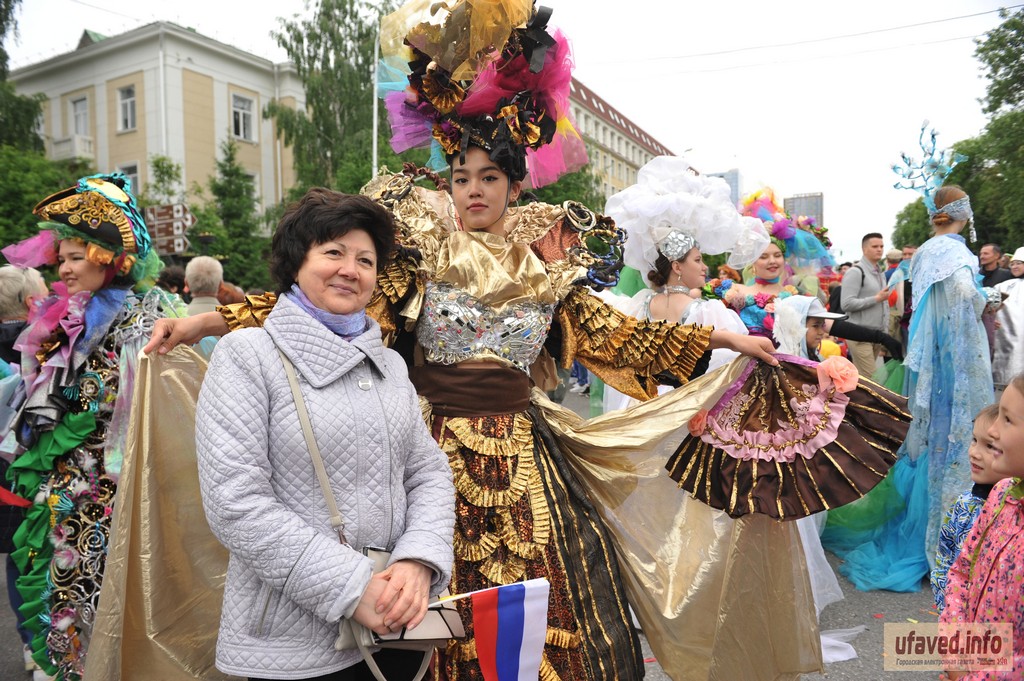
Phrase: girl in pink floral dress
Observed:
(986, 582)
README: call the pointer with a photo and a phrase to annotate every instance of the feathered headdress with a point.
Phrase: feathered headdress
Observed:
(800, 239)
(672, 209)
(486, 74)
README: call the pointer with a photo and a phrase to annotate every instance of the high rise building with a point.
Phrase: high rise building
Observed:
(811, 205)
(733, 178)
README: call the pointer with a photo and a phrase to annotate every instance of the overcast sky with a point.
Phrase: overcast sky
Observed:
(801, 96)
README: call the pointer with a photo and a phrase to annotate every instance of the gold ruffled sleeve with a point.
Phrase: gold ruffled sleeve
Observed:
(249, 314)
(624, 352)
(393, 285)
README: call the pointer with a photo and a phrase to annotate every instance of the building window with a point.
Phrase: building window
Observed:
(132, 171)
(241, 118)
(80, 116)
(126, 108)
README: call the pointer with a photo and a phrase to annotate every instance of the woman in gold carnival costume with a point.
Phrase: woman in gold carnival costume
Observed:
(78, 364)
(480, 297)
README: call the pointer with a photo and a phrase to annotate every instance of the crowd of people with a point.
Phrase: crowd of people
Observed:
(390, 394)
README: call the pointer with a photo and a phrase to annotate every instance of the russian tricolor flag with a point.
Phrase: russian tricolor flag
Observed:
(511, 624)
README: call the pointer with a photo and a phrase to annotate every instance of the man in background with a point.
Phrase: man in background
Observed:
(864, 299)
(203, 277)
(991, 274)
(892, 260)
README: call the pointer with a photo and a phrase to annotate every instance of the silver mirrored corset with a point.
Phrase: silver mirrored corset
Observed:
(455, 326)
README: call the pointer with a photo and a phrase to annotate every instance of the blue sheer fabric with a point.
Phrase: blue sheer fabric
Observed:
(888, 539)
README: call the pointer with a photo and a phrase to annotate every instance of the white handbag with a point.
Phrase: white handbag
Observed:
(441, 622)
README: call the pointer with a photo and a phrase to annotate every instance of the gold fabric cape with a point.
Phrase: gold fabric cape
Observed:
(164, 579)
(695, 577)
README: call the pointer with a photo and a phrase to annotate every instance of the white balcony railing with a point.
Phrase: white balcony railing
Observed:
(76, 146)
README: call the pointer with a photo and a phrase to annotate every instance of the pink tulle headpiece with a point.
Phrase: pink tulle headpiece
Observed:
(34, 251)
(512, 102)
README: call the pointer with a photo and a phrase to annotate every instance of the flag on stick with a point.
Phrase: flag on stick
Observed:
(511, 626)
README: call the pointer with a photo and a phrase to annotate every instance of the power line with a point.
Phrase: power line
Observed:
(810, 41)
(106, 9)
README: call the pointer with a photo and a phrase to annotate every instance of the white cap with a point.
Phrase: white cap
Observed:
(1018, 255)
(818, 311)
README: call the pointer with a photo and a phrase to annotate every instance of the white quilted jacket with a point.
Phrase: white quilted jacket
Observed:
(289, 579)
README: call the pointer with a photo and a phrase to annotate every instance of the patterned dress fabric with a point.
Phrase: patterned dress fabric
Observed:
(986, 581)
(956, 525)
(783, 443)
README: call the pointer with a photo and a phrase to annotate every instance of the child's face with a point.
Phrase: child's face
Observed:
(1007, 433)
(815, 333)
(982, 453)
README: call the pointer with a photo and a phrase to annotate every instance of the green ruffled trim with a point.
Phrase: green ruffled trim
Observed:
(33, 549)
(29, 469)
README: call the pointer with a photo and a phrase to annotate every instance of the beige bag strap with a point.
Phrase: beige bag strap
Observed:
(314, 451)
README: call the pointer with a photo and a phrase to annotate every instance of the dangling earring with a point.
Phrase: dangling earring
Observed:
(513, 210)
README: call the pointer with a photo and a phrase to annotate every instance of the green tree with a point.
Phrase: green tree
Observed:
(164, 185)
(912, 225)
(234, 202)
(333, 55)
(20, 114)
(1000, 52)
(582, 186)
(30, 177)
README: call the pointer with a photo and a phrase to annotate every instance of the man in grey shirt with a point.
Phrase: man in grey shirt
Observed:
(865, 300)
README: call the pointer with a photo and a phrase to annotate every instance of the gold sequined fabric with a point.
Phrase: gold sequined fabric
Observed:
(624, 351)
(870, 423)
(518, 517)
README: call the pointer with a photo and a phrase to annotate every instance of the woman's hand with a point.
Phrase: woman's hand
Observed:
(757, 347)
(366, 611)
(168, 333)
(404, 600)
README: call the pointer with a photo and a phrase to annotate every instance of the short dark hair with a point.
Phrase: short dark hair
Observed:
(845, 264)
(172, 277)
(319, 216)
(995, 247)
(868, 237)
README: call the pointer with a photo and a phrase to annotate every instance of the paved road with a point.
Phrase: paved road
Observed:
(858, 608)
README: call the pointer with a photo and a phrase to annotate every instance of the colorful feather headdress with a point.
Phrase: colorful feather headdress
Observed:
(800, 239)
(487, 74)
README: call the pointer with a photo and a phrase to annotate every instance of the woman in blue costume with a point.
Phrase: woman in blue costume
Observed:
(888, 542)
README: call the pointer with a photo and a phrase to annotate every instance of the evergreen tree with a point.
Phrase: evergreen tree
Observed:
(238, 239)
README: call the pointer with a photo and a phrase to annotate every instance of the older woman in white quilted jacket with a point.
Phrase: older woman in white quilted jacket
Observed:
(290, 580)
